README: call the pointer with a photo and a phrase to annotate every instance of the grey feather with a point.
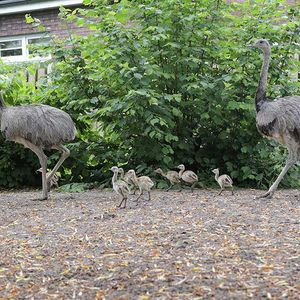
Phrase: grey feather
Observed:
(280, 119)
(42, 125)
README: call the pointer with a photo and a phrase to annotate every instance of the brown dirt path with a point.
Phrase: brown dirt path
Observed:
(178, 246)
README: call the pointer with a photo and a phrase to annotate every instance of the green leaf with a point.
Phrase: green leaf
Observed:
(176, 112)
(154, 121)
(138, 76)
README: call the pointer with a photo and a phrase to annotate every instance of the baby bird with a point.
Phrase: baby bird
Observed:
(144, 183)
(53, 181)
(126, 177)
(223, 180)
(188, 176)
(120, 187)
(172, 176)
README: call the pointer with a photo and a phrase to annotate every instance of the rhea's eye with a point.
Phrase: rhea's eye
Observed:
(260, 42)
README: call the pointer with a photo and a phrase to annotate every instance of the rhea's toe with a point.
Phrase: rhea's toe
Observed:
(267, 195)
(40, 199)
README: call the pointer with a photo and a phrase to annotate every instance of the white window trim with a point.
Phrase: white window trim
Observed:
(18, 8)
(25, 50)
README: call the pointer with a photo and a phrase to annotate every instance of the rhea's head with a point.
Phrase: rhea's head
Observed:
(181, 167)
(131, 173)
(158, 171)
(115, 169)
(215, 171)
(262, 44)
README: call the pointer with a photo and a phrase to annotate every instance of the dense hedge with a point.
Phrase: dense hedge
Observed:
(158, 83)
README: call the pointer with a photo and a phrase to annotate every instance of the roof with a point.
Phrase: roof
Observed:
(20, 6)
(10, 1)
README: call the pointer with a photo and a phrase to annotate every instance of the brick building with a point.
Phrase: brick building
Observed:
(16, 34)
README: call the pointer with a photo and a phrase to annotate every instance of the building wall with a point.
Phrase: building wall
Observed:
(15, 24)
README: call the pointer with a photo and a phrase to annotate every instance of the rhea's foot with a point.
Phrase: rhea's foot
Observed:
(121, 207)
(40, 199)
(267, 195)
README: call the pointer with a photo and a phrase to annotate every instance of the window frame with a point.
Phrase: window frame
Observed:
(24, 46)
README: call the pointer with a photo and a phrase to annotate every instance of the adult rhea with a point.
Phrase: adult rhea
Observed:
(38, 127)
(278, 119)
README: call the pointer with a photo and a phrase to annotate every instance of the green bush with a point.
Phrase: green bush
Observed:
(17, 165)
(158, 83)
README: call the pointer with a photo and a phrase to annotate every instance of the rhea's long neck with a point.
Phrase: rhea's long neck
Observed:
(135, 179)
(262, 84)
(121, 174)
(181, 172)
(164, 174)
(217, 176)
(114, 178)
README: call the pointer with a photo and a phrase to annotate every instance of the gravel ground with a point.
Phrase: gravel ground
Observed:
(179, 245)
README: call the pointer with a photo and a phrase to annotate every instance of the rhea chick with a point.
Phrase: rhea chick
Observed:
(172, 176)
(223, 180)
(144, 183)
(189, 177)
(53, 180)
(120, 187)
(127, 178)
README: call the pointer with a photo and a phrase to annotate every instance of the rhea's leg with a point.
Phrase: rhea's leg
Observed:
(43, 161)
(221, 191)
(139, 196)
(192, 186)
(269, 194)
(121, 202)
(65, 154)
(169, 187)
(125, 202)
(180, 186)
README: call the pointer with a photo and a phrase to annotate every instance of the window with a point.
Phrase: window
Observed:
(23, 48)
(11, 48)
